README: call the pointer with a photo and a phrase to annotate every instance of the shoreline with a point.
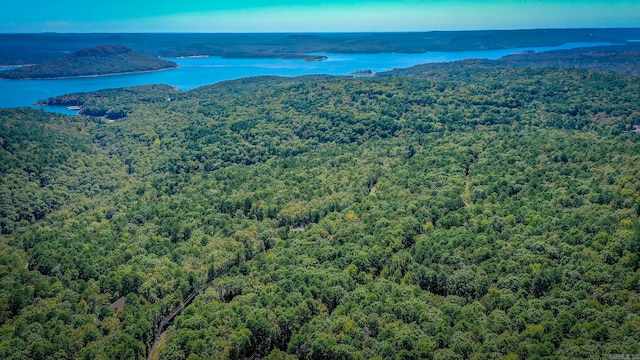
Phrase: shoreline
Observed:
(188, 57)
(94, 76)
(17, 96)
(15, 66)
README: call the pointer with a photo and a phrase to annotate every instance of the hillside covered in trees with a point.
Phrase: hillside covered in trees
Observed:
(113, 103)
(620, 59)
(476, 214)
(100, 60)
(16, 49)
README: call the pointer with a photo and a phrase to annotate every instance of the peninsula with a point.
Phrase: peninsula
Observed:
(95, 61)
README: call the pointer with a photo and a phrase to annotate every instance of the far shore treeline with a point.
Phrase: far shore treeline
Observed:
(16, 49)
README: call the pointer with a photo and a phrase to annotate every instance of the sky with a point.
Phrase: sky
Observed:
(311, 15)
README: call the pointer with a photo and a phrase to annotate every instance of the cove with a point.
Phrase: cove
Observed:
(196, 72)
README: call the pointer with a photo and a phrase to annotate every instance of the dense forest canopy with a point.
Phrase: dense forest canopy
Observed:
(113, 104)
(469, 214)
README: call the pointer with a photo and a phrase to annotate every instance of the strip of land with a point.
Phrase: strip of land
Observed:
(96, 61)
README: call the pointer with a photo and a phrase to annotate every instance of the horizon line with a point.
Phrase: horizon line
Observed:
(322, 32)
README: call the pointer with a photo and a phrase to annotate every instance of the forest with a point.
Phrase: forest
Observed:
(619, 59)
(482, 213)
(19, 49)
(99, 60)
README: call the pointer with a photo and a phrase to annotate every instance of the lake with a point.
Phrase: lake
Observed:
(195, 72)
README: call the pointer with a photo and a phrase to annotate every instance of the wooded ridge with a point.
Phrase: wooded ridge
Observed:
(96, 61)
(468, 214)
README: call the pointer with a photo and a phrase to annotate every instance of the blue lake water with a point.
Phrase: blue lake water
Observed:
(195, 72)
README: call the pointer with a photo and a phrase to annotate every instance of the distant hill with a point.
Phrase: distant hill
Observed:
(100, 60)
(620, 59)
(20, 49)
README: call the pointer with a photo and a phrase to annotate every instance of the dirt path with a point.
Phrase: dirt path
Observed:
(159, 338)
(154, 354)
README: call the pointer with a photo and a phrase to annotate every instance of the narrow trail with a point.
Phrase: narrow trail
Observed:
(466, 194)
(467, 197)
(154, 353)
(160, 330)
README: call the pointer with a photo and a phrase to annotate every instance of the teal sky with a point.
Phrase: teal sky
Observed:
(311, 16)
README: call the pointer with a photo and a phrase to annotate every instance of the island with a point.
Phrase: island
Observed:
(95, 61)
(315, 58)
